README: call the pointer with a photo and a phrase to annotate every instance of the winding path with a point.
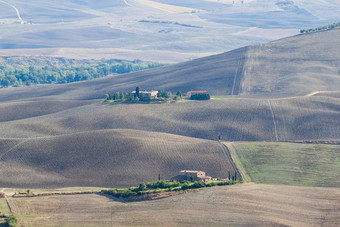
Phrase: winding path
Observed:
(16, 10)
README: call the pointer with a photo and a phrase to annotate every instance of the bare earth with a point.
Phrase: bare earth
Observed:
(239, 205)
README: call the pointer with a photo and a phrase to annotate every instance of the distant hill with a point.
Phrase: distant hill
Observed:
(292, 66)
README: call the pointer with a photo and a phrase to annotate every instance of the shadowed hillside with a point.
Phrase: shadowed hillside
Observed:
(111, 158)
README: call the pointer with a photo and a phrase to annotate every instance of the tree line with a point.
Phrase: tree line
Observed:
(321, 28)
(165, 186)
(12, 75)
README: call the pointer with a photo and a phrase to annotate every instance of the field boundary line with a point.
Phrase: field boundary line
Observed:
(274, 121)
(9, 206)
(228, 156)
(236, 72)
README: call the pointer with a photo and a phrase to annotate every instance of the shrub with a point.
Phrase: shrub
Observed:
(200, 96)
(12, 221)
(142, 187)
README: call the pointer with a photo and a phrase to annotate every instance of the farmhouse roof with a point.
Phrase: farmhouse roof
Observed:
(190, 171)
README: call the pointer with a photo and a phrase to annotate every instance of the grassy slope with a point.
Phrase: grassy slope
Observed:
(220, 206)
(316, 165)
(110, 158)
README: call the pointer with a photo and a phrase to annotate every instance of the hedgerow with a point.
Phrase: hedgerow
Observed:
(164, 186)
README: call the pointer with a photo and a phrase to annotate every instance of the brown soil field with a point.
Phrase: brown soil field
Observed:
(110, 158)
(294, 66)
(300, 118)
(238, 205)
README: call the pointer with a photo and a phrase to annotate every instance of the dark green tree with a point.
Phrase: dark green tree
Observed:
(137, 92)
(142, 187)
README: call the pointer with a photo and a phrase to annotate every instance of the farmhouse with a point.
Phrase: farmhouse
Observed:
(146, 94)
(191, 175)
(189, 93)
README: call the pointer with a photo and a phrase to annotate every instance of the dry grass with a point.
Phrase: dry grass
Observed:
(239, 205)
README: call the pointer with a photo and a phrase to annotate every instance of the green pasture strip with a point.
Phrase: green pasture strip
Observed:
(238, 163)
(316, 165)
(4, 209)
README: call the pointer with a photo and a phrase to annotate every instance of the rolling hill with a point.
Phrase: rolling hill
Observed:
(63, 135)
(106, 158)
(292, 66)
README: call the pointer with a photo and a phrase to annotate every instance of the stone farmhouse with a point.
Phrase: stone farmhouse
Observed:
(191, 175)
(146, 94)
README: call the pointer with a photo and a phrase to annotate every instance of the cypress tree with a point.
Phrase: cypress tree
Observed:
(137, 92)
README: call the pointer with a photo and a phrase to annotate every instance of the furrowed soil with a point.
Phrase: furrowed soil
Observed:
(238, 205)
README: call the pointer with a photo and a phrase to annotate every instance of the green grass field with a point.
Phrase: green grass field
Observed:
(316, 165)
(4, 207)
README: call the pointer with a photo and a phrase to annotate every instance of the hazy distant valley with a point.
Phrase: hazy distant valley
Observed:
(160, 30)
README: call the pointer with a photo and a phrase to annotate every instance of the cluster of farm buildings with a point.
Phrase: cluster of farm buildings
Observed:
(153, 94)
(191, 175)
